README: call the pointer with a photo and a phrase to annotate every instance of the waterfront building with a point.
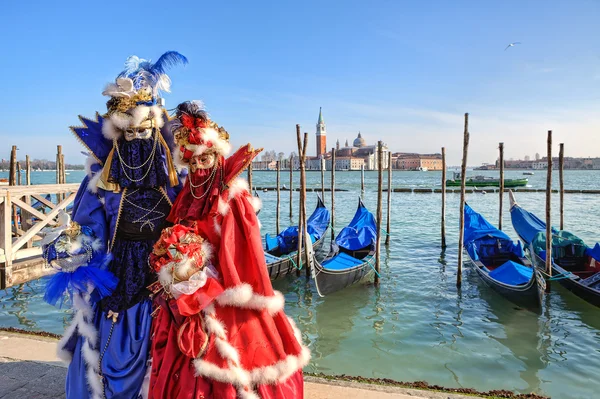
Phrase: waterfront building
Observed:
(413, 161)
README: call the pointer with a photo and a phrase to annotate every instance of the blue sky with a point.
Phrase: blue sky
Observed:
(403, 72)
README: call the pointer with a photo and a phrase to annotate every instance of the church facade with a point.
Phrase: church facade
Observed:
(354, 157)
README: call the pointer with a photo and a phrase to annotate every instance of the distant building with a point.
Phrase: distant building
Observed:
(321, 135)
(413, 161)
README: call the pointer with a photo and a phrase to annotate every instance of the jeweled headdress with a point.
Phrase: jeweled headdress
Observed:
(141, 82)
(196, 134)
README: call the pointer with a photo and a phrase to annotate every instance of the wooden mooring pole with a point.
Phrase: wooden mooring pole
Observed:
(12, 178)
(548, 208)
(379, 215)
(443, 197)
(323, 179)
(250, 176)
(463, 178)
(501, 195)
(561, 167)
(389, 200)
(300, 222)
(362, 178)
(304, 219)
(27, 170)
(291, 184)
(58, 159)
(278, 197)
(333, 193)
(19, 180)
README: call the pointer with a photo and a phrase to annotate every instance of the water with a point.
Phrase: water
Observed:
(417, 325)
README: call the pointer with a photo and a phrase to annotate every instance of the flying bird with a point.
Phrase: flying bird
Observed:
(511, 45)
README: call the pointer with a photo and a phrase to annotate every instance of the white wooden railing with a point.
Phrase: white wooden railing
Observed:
(20, 222)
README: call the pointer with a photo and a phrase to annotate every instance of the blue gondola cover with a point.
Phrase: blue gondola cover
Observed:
(482, 238)
(287, 240)
(594, 252)
(526, 224)
(512, 273)
(360, 233)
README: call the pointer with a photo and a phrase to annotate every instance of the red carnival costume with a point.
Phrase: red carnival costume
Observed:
(227, 336)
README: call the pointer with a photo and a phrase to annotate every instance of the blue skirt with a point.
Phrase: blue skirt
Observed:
(124, 360)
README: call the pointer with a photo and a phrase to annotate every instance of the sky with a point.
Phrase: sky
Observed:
(404, 72)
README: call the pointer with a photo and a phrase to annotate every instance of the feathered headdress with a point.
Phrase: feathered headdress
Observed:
(196, 134)
(141, 81)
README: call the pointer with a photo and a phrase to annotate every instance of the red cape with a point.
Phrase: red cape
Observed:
(253, 350)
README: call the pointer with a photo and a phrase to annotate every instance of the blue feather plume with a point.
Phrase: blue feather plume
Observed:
(168, 60)
(144, 72)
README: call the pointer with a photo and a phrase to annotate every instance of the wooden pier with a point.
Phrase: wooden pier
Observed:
(20, 257)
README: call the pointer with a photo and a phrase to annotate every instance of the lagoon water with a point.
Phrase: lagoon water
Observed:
(417, 325)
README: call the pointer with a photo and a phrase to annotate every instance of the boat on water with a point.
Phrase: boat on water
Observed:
(484, 181)
(351, 257)
(281, 251)
(501, 263)
(574, 265)
(422, 169)
(528, 173)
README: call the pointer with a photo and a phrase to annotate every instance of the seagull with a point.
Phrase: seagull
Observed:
(511, 45)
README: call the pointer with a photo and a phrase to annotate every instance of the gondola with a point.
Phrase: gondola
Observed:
(351, 256)
(501, 263)
(574, 265)
(281, 251)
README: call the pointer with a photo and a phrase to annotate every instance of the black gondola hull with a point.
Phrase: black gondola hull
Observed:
(572, 283)
(528, 296)
(289, 263)
(329, 281)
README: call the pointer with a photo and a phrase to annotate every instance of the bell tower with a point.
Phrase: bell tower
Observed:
(321, 136)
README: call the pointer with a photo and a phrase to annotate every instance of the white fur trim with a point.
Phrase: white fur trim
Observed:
(238, 186)
(217, 226)
(119, 121)
(165, 275)
(90, 354)
(93, 182)
(207, 248)
(97, 245)
(109, 131)
(94, 383)
(89, 162)
(234, 374)
(178, 161)
(256, 203)
(242, 296)
(236, 296)
(144, 391)
(223, 207)
(63, 354)
(220, 145)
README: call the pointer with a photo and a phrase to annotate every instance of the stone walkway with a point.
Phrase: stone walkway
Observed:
(29, 370)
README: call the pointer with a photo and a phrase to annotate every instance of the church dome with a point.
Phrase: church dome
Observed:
(359, 141)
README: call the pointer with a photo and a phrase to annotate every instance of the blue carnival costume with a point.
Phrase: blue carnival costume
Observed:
(102, 253)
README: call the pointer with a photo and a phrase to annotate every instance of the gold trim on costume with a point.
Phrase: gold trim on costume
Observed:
(112, 242)
(84, 126)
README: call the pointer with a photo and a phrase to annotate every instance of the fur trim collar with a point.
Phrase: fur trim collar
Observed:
(118, 121)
